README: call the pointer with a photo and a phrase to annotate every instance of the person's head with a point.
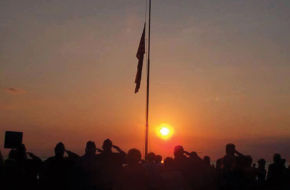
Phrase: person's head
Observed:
(248, 161)
(59, 150)
(193, 156)
(150, 157)
(261, 163)
(21, 152)
(91, 148)
(178, 151)
(133, 156)
(277, 158)
(206, 160)
(219, 164)
(12, 154)
(168, 162)
(107, 145)
(1, 158)
(283, 162)
(158, 159)
(230, 149)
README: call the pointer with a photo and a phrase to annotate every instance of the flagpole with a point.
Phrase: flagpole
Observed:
(148, 84)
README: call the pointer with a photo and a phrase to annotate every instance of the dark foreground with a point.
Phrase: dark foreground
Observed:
(105, 169)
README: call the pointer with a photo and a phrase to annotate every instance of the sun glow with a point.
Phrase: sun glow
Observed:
(164, 131)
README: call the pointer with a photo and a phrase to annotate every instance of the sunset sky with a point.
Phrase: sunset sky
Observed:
(220, 73)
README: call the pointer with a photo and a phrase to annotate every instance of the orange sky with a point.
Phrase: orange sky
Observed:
(220, 73)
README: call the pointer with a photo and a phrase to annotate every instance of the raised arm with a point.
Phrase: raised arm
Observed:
(34, 157)
(72, 155)
(118, 149)
(238, 153)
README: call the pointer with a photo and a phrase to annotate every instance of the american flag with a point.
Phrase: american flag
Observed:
(140, 57)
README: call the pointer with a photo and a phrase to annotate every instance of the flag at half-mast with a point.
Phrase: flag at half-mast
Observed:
(140, 57)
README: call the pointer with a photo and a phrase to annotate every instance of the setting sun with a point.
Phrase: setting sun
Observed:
(164, 131)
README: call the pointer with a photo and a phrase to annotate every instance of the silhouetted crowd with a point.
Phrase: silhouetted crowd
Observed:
(110, 168)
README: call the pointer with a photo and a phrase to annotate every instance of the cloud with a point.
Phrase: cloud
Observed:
(15, 91)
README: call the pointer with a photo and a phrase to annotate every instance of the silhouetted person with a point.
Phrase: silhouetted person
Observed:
(168, 163)
(206, 160)
(196, 172)
(229, 161)
(21, 169)
(232, 174)
(158, 160)
(89, 168)
(261, 173)
(180, 159)
(219, 164)
(111, 163)
(276, 172)
(150, 158)
(248, 173)
(153, 171)
(287, 176)
(171, 176)
(56, 173)
(133, 176)
(11, 172)
(1, 160)
(190, 165)
(208, 174)
(1, 168)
